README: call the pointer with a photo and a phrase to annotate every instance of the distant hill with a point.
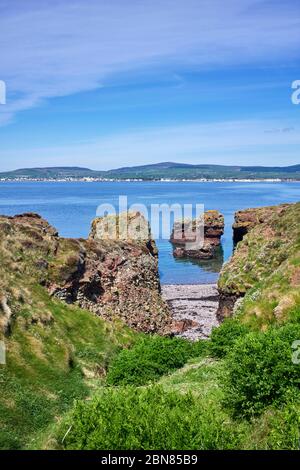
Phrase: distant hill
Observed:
(157, 171)
(48, 172)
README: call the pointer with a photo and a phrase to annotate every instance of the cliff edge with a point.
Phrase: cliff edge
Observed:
(114, 279)
(263, 274)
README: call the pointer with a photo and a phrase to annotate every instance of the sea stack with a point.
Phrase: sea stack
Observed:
(184, 233)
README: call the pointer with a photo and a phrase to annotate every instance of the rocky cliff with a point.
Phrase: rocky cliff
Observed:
(185, 232)
(247, 219)
(115, 279)
(264, 273)
(55, 352)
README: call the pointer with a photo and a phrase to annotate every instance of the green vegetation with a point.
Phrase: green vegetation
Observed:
(247, 399)
(166, 170)
(150, 418)
(224, 337)
(190, 408)
(73, 381)
(150, 358)
(260, 371)
(49, 364)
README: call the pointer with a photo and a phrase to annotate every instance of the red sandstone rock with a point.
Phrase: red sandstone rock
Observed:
(180, 326)
(111, 278)
(185, 232)
(247, 219)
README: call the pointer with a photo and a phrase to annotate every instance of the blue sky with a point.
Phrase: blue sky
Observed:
(108, 84)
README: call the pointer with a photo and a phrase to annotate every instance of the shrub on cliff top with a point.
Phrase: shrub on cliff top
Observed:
(261, 371)
(149, 359)
(224, 337)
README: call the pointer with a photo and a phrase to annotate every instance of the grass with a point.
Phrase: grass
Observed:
(150, 358)
(265, 267)
(182, 411)
(160, 393)
(51, 365)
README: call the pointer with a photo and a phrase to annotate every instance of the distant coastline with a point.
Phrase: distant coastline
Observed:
(145, 180)
(163, 172)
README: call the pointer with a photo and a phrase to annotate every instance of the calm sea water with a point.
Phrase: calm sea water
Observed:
(70, 207)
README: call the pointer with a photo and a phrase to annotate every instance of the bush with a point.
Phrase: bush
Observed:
(260, 371)
(285, 425)
(224, 337)
(201, 348)
(149, 359)
(148, 418)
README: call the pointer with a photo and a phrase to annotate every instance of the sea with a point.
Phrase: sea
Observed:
(71, 207)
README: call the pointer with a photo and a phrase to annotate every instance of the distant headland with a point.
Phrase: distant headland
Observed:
(167, 171)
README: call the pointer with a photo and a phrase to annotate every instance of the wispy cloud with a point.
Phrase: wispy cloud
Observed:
(57, 48)
(218, 142)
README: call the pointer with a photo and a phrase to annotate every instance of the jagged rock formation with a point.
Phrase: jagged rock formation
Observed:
(263, 274)
(185, 232)
(131, 227)
(247, 219)
(111, 278)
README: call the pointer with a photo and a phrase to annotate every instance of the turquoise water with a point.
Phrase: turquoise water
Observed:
(70, 207)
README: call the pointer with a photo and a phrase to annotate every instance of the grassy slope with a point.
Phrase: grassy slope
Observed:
(50, 365)
(266, 266)
(152, 417)
(55, 352)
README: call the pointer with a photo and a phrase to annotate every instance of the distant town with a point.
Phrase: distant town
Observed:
(164, 172)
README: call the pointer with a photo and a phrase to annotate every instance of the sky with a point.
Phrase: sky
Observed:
(103, 84)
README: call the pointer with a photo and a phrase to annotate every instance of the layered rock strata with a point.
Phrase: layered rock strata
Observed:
(184, 236)
(110, 277)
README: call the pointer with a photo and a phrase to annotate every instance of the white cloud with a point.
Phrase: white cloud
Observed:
(218, 142)
(56, 48)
